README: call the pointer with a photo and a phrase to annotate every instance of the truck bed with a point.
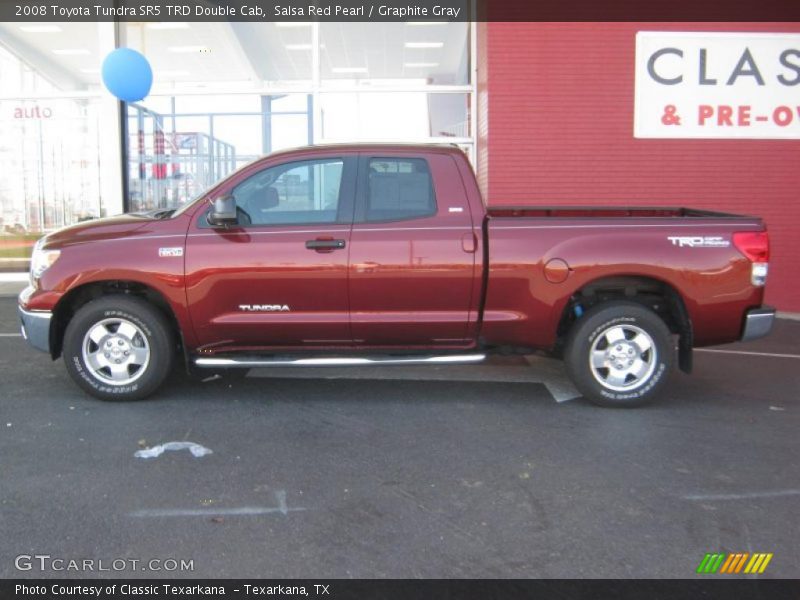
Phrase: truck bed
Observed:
(541, 256)
(605, 211)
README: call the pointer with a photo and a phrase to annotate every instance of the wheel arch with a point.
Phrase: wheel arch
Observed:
(81, 295)
(653, 293)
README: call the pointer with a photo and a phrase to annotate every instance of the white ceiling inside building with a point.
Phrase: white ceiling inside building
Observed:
(258, 54)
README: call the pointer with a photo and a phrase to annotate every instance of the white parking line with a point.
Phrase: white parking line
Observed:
(10, 335)
(744, 496)
(743, 352)
(213, 512)
(790, 316)
(14, 277)
(280, 497)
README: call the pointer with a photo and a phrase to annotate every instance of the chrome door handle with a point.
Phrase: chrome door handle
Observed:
(325, 245)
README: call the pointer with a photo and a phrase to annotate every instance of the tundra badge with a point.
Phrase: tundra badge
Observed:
(264, 307)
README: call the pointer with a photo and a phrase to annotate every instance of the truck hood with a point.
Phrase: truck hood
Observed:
(120, 226)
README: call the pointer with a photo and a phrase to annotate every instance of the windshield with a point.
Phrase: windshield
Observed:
(179, 211)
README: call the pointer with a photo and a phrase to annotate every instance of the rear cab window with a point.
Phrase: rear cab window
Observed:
(396, 189)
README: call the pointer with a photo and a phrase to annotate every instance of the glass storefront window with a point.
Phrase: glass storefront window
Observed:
(280, 54)
(51, 123)
(194, 141)
(223, 94)
(288, 131)
(348, 116)
(242, 133)
(51, 147)
(394, 54)
(227, 93)
(217, 103)
(207, 57)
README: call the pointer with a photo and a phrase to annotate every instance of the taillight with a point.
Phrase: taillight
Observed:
(754, 245)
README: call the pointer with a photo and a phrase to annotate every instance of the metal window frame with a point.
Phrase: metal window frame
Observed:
(313, 92)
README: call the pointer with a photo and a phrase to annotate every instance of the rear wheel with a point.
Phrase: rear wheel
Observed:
(619, 354)
(118, 348)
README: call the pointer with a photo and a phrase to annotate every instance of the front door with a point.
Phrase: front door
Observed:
(278, 278)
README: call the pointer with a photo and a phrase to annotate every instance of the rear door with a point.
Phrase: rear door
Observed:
(279, 278)
(412, 253)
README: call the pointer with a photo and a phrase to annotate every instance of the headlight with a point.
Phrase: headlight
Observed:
(41, 260)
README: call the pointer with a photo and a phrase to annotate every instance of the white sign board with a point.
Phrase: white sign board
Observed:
(717, 85)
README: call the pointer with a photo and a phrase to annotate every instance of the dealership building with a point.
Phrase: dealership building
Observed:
(705, 115)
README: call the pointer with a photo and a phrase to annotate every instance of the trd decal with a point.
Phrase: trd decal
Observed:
(690, 241)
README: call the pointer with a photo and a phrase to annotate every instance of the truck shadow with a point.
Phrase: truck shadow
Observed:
(360, 390)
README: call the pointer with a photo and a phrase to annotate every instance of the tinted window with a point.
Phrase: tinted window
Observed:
(399, 189)
(300, 192)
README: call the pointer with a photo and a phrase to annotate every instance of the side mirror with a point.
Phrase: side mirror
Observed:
(223, 213)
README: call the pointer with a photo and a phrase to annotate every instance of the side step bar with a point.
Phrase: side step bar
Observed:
(354, 361)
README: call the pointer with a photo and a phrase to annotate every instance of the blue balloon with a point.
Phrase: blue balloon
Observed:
(127, 74)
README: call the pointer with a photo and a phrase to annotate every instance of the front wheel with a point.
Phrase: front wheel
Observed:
(619, 354)
(118, 348)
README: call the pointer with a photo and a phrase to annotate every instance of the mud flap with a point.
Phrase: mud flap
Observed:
(685, 354)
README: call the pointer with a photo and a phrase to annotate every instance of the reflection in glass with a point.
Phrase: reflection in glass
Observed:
(223, 94)
(348, 116)
(394, 54)
(299, 192)
(50, 157)
(175, 156)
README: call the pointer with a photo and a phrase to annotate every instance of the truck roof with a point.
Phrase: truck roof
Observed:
(370, 147)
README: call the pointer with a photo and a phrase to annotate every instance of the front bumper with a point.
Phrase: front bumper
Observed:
(36, 327)
(758, 323)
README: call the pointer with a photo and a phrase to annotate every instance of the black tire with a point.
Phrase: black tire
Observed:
(154, 339)
(633, 377)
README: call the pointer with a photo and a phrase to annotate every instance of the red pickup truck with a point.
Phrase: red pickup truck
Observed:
(386, 254)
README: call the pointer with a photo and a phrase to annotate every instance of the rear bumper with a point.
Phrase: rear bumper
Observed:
(36, 328)
(758, 323)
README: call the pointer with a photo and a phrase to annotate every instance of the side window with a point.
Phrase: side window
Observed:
(398, 189)
(299, 192)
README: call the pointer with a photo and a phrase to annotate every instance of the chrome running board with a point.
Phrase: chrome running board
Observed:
(355, 361)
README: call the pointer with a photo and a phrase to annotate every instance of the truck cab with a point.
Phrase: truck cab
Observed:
(332, 248)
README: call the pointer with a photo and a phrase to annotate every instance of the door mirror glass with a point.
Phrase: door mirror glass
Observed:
(304, 191)
(223, 212)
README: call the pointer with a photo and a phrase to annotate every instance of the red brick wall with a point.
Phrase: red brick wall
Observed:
(482, 135)
(557, 125)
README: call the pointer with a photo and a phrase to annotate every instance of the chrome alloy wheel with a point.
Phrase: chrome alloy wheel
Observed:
(622, 357)
(116, 351)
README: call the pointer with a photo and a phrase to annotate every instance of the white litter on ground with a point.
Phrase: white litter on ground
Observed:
(196, 449)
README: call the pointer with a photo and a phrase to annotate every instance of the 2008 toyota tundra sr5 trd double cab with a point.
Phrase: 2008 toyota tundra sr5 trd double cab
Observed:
(372, 254)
